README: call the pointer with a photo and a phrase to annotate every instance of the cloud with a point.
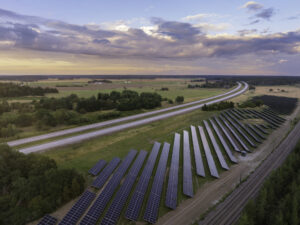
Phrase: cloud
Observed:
(266, 13)
(282, 61)
(252, 6)
(161, 40)
(197, 17)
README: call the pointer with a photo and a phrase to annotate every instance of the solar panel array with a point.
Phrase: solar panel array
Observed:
(74, 214)
(198, 158)
(99, 205)
(153, 202)
(172, 189)
(210, 160)
(105, 174)
(187, 167)
(264, 118)
(136, 201)
(256, 131)
(226, 147)
(216, 146)
(244, 127)
(260, 128)
(114, 211)
(48, 220)
(97, 167)
(240, 131)
(231, 141)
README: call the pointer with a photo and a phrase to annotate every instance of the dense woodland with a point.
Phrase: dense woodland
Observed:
(278, 201)
(18, 90)
(32, 185)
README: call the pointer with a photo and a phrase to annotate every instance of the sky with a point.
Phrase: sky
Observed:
(192, 37)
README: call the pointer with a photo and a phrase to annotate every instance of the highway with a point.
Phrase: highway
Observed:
(111, 122)
(104, 131)
(229, 211)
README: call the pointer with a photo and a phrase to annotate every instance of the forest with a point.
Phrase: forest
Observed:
(32, 185)
(213, 84)
(278, 201)
(18, 90)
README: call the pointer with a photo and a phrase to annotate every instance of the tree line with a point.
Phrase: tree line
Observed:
(218, 106)
(214, 84)
(32, 185)
(18, 90)
(278, 201)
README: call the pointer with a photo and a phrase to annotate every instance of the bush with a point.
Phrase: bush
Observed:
(218, 106)
(179, 99)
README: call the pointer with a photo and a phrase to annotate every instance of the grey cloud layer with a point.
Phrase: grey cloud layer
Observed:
(170, 39)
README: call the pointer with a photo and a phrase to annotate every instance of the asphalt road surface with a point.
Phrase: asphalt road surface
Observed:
(110, 122)
(229, 211)
(92, 134)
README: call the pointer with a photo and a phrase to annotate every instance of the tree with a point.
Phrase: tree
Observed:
(179, 99)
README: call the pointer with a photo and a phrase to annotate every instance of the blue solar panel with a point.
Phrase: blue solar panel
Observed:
(244, 127)
(153, 202)
(231, 141)
(105, 174)
(112, 215)
(187, 167)
(210, 160)
(97, 168)
(136, 201)
(48, 220)
(226, 147)
(256, 131)
(240, 131)
(216, 146)
(74, 214)
(99, 205)
(264, 118)
(260, 128)
(274, 117)
(236, 114)
(240, 114)
(172, 189)
(235, 135)
(198, 158)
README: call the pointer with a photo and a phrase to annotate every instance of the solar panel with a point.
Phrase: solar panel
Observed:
(273, 118)
(114, 211)
(274, 114)
(136, 201)
(231, 141)
(264, 118)
(240, 131)
(210, 160)
(198, 158)
(77, 210)
(187, 167)
(216, 146)
(235, 134)
(276, 117)
(236, 115)
(152, 206)
(105, 174)
(101, 201)
(172, 189)
(226, 147)
(48, 220)
(260, 128)
(240, 114)
(97, 167)
(256, 131)
(244, 127)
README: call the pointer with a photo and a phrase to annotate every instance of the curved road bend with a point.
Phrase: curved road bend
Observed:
(82, 137)
(110, 122)
(229, 211)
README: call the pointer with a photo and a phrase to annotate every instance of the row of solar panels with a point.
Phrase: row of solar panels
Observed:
(152, 205)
